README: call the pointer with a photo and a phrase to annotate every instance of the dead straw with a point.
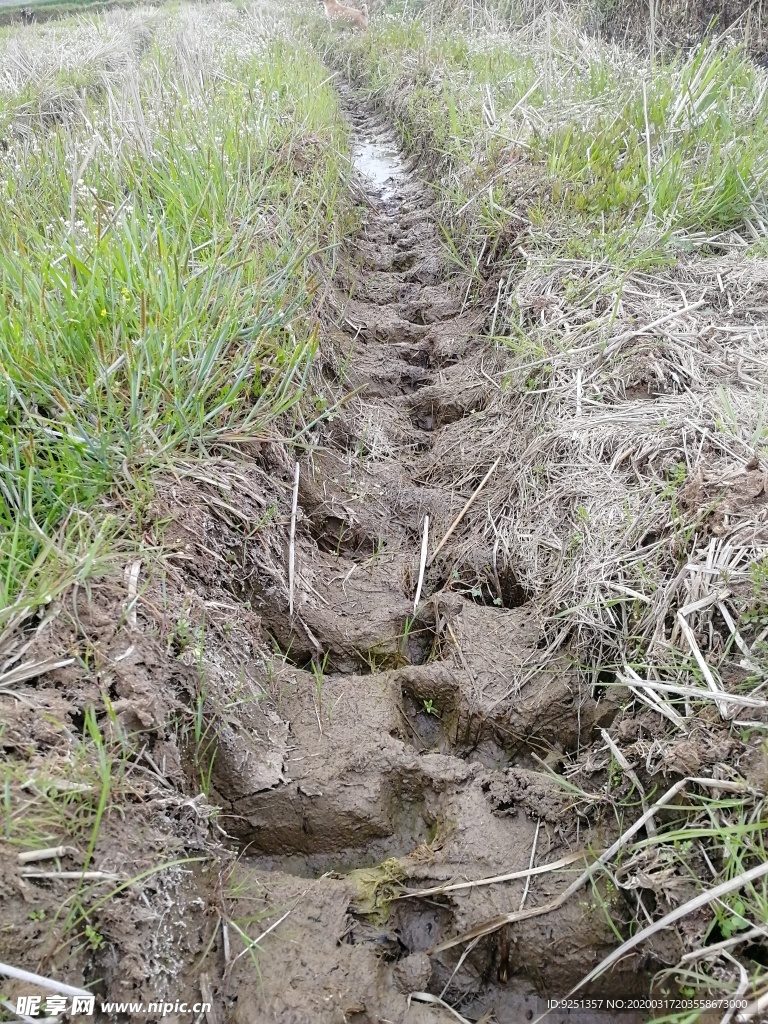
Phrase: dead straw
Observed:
(422, 563)
(27, 856)
(699, 901)
(464, 511)
(530, 864)
(42, 982)
(492, 925)
(542, 869)
(427, 997)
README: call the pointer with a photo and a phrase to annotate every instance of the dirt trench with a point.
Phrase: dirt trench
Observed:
(374, 751)
(403, 749)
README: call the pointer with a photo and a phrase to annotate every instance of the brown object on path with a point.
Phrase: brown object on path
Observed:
(349, 15)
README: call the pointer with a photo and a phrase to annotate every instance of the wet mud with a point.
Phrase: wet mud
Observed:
(410, 747)
(360, 750)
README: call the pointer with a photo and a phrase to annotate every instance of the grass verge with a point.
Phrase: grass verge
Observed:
(161, 228)
(173, 184)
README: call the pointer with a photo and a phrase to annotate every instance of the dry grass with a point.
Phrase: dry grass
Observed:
(611, 212)
(649, 431)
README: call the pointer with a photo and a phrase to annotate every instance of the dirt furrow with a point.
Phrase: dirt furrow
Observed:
(410, 750)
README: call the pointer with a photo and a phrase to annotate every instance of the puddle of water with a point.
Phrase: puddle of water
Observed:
(380, 162)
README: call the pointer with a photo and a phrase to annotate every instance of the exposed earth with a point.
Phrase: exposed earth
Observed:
(377, 751)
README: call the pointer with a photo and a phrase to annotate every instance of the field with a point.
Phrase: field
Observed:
(384, 595)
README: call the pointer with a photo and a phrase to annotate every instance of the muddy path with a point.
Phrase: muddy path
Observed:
(404, 747)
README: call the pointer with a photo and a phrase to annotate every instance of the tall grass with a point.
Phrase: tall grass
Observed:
(173, 185)
(629, 148)
(157, 264)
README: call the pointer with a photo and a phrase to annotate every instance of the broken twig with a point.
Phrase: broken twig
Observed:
(464, 511)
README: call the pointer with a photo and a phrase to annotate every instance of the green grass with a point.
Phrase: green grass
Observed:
(629, 156)
(58, 10)
(156, 284)
(688, 150)
(172, 196)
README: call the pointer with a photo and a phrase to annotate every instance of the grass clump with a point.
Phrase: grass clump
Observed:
(171, 196)
(157, 272)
